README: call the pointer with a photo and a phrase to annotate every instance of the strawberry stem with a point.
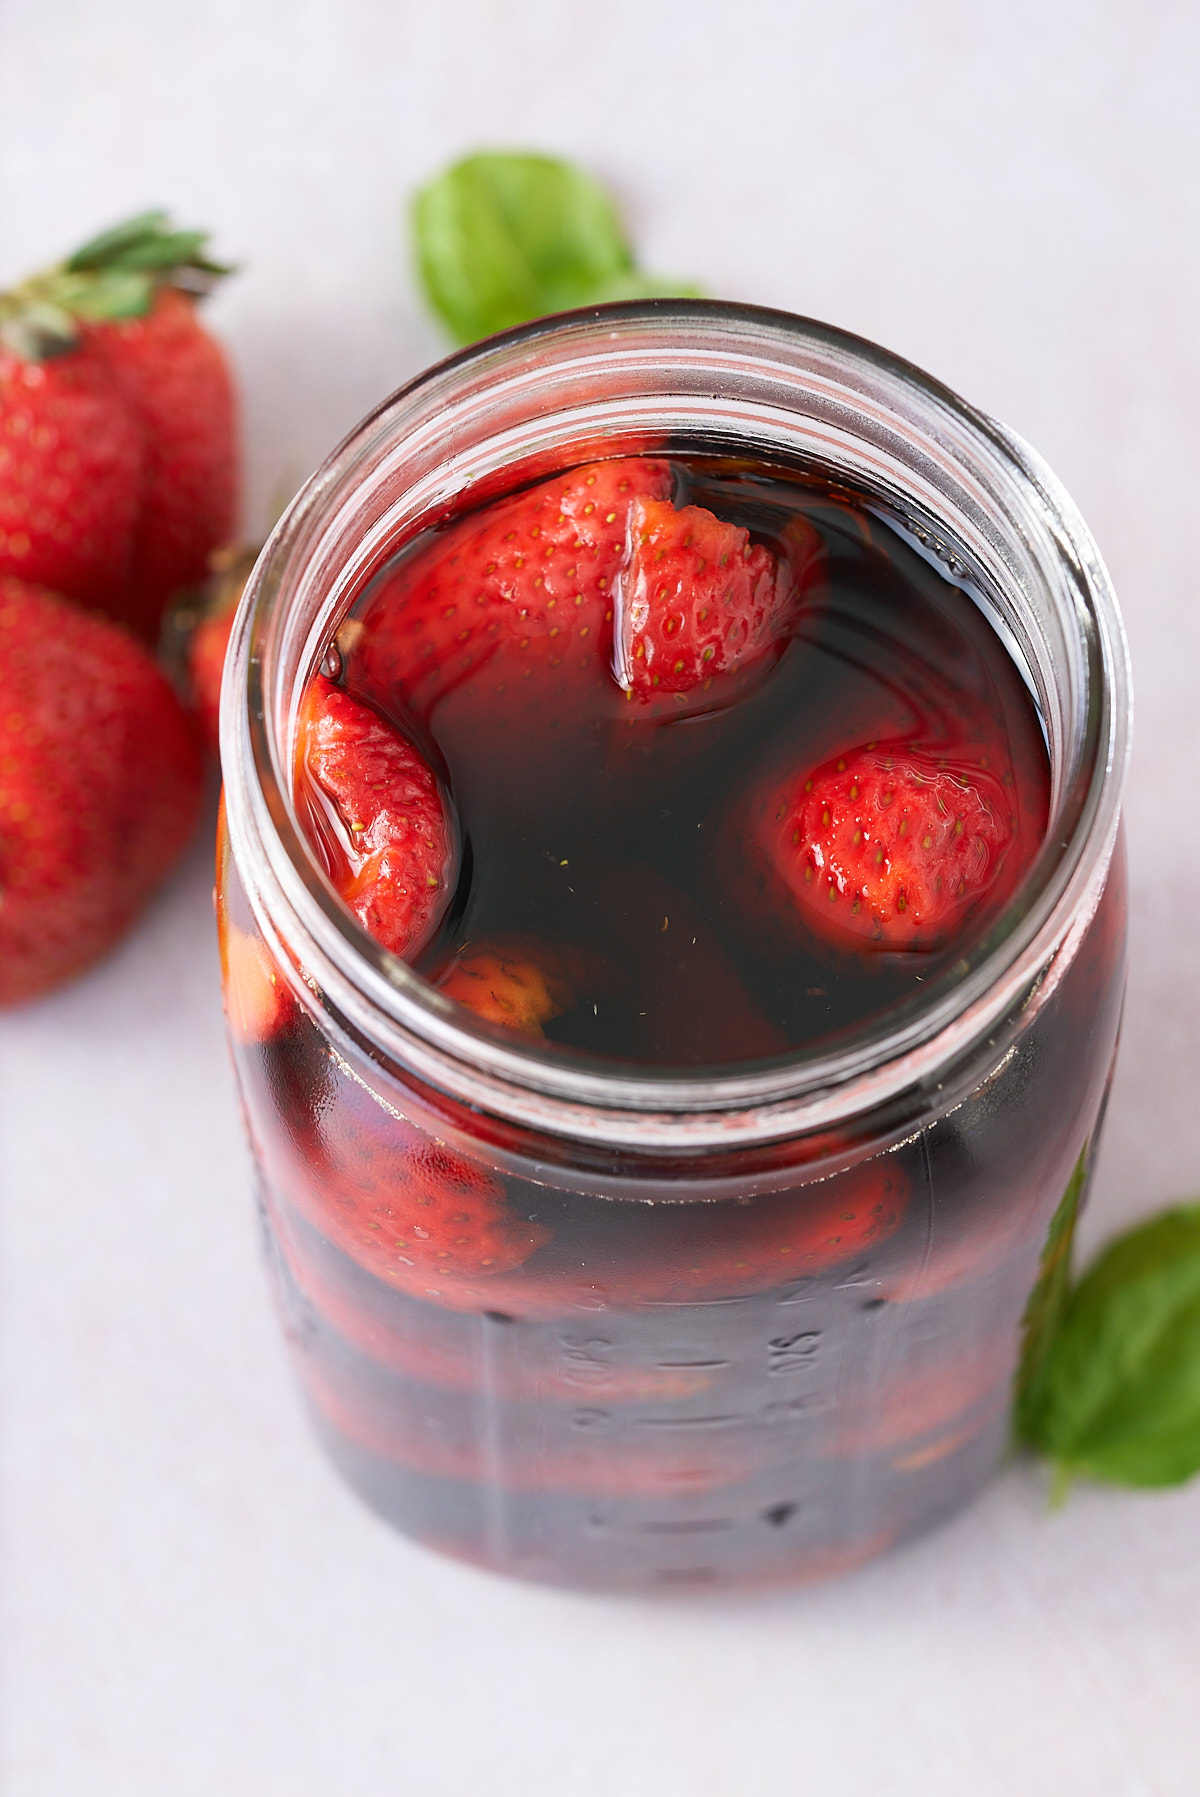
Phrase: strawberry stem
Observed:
(114, 275)
(98, 250)
(145, 243)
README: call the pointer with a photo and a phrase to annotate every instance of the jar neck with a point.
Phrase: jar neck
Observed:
(620, 380)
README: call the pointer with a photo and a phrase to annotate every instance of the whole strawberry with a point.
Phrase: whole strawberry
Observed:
(99, 786)
(71, 464)
(118, 472)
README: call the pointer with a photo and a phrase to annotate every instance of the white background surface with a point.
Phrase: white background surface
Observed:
(189, 1602)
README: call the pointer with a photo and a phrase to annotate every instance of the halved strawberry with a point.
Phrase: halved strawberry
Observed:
(522, 588)
(397, 1422)
(431, 1344)
(695, 599)
(891, 846)
(431, 1212)
(502, 984)
(229, 571)
(386, 830)
(407, 1207)
(777, 1240)
(927, 1410)
(711, 1254)
(258, 1002)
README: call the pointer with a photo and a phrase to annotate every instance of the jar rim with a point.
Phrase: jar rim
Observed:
(378, 1001)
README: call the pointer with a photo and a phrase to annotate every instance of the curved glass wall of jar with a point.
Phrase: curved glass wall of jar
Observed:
(752, 1325)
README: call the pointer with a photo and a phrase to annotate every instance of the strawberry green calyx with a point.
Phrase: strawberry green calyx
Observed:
(115, 275)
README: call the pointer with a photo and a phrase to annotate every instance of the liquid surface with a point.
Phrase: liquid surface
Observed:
(610, 845)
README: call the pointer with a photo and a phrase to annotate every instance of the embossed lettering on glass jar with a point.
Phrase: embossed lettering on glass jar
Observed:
(625, 1390)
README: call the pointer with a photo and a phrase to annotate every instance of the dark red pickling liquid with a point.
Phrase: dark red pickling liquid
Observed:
(654, 1379)
(610, 838)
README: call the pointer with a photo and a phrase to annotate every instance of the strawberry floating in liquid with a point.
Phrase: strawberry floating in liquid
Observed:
(751, 631)
(735, 1251)
(514, 602)
(503, 984)
(384, 826)
(893, 846)
(695, 599)
(415, 1213)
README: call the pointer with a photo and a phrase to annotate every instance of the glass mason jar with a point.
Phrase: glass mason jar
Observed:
(625, 1399)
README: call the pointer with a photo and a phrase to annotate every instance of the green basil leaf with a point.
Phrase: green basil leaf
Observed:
(635, 285)
(503, 238)
(1118, 1394)
(1046, 1301)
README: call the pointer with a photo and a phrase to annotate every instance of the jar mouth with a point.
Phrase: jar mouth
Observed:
(550, 394)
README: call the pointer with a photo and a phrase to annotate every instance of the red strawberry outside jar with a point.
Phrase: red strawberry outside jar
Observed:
(692, 1300)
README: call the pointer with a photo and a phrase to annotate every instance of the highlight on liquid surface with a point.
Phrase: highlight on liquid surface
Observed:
(673, 763)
